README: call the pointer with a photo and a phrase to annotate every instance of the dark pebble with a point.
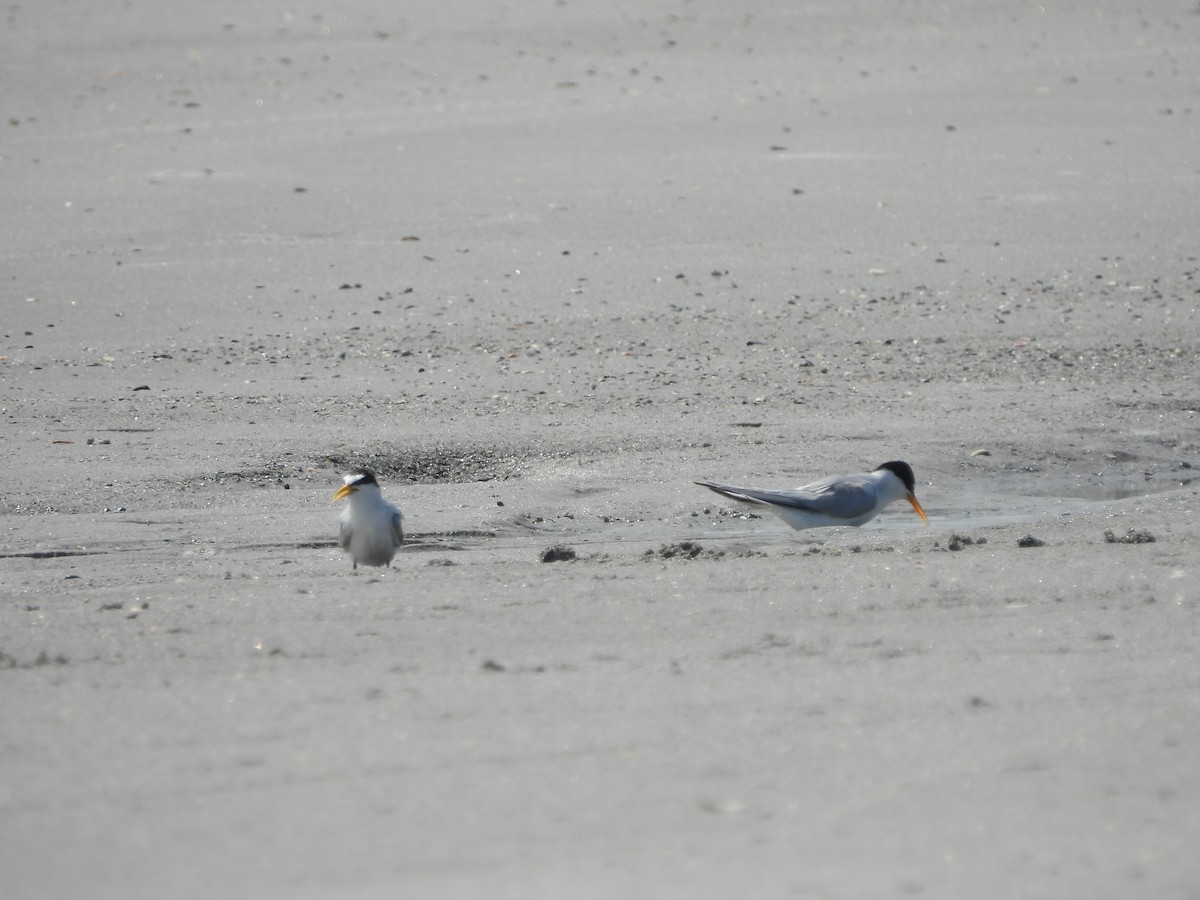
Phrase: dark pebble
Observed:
(557, 554)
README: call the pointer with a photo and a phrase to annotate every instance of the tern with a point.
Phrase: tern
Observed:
(837, 500)
(370, 529)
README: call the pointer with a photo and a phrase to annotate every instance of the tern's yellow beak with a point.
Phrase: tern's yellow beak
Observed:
(344, 491)
(911, 499)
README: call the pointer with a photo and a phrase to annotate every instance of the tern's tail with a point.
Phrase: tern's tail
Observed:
(728, 490)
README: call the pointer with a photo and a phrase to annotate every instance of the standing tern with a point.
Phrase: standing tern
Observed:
(370, 529)
(838, 500)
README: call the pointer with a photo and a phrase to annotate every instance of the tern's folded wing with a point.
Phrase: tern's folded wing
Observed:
(397, 529)
(838, 499)
(345, 530)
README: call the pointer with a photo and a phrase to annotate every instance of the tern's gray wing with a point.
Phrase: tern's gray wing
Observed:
(845, 497)
(397, 528)
(345, 531)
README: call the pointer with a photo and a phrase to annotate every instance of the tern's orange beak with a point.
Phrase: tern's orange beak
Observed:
(344, 491)
(911, 499)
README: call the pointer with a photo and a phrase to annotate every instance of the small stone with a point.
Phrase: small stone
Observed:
(684, 550)
(1130, 537)
(958, 541)
(1030, 541)
(558, 554)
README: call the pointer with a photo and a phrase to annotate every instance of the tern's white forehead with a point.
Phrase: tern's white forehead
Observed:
(360, 479)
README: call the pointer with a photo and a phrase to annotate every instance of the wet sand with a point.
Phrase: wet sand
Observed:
(543, 267)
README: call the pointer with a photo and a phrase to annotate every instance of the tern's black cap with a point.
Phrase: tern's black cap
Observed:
(903, 471)
(362, 476)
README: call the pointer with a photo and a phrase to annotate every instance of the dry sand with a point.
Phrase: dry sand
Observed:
(543, 265)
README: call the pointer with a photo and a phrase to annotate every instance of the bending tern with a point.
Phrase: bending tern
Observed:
(370, 529)
(838, 500)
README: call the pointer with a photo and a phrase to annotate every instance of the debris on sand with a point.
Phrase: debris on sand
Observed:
(1129, 537)
(838, 551)
(958, 541)
(558, 554)
(1030, 541)
(684, 550)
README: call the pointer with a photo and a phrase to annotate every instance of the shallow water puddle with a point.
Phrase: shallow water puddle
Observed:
(1015, 499)
(1009, 500)
(1093, 488)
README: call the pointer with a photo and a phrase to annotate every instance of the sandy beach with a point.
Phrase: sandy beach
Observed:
(543, 266)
